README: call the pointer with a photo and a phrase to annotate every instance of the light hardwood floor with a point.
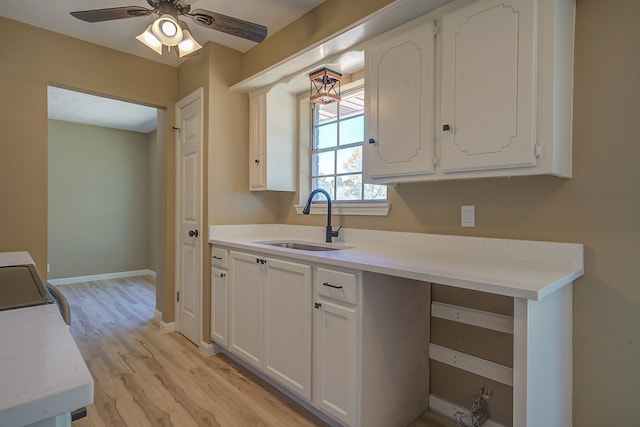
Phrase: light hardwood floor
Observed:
(146, 378)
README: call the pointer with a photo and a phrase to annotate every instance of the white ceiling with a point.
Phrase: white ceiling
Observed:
(77, 107)
(120, 35)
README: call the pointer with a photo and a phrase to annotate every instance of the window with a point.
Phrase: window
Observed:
(336, 154)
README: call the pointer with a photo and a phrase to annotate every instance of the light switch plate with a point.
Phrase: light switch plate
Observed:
(468, 216)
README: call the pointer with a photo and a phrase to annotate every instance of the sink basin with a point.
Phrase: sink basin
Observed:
(304, 246)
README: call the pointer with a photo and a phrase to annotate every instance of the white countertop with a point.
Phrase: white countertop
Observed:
(517, 268)
(42, 372)
(15, 258)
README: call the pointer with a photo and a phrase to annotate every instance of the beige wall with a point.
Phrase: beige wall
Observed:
(33, 59)
(99, 198)
(599, 207)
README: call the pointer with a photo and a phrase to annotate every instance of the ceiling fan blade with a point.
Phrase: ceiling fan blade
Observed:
(109, 14)
(227, 24)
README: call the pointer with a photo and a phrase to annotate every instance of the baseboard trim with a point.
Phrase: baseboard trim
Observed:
(167, 327)
(106, 276)
(206, 348)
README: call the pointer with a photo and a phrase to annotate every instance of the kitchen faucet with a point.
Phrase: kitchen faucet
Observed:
(329, 233)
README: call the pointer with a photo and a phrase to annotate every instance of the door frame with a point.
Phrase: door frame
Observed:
(196, 95)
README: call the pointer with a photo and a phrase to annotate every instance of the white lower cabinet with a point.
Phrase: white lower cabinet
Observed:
(287, 324)
(219, 303)
(335, 344)
(219, 296)
(284, 315)
(270, 318)
(370, 332)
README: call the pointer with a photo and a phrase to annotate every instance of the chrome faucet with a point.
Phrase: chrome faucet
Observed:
(330, 232)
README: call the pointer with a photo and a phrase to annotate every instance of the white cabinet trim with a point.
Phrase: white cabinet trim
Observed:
(470, 316)
(476, 365)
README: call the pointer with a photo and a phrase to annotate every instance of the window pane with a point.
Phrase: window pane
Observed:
(349, 160)
(352, 130)
(349, 187)
(326, 183)
(375, 192)
(335, 168)
(323, 163)
(326, 136)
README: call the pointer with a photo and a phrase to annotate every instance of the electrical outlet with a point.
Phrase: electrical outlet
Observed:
(468, 215)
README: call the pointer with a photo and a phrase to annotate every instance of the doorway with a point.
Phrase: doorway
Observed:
(104, 176)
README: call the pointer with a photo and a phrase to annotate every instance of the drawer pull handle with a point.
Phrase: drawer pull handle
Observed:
(217, 257)
(332, 286)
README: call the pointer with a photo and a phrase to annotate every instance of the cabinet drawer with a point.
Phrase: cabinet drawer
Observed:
(219, 257)
(337, 285)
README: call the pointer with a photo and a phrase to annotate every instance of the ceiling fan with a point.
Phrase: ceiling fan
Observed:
(168, 30)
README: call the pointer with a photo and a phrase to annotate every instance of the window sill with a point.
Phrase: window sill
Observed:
(362, 209)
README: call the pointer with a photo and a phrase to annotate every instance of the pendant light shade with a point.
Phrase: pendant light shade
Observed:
(167, 30)
(150, 40)
(188, 44)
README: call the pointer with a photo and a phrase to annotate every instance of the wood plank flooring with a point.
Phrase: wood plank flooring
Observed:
(146, 378)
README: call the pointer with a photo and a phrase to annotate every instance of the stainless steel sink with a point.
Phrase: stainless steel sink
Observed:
(304, 246)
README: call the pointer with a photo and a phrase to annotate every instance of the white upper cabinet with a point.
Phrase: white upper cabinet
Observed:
(488, 86)
(272, 140)
(503, 94)
(506, 89)
(400, 106)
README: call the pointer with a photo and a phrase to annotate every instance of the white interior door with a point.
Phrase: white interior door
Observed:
(189, 216)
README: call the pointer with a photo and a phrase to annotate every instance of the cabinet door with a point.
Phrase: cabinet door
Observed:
(219, 305)
(287, 323)
(257, 141)
(246, 297)
(488, 86)
(400, 106)
(334, 371)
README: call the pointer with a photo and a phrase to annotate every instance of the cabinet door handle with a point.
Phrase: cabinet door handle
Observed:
(217, 257)
(220, 275)
(193, 233)
(446, 127)
(317, 305)
(372, 141)
(332, 286)
(256, 161)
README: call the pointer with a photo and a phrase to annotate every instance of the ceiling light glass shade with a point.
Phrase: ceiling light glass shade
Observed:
(167, 30)
(188, 44)
(150, 40)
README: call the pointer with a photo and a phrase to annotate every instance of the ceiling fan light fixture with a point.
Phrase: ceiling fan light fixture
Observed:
(188, 45)
(150, 40)
(167, 29)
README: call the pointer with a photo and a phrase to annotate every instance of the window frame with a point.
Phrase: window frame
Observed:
(319, 206)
